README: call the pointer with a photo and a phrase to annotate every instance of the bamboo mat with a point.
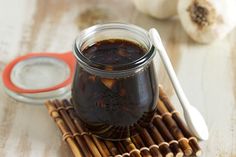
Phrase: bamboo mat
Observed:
(167, 136)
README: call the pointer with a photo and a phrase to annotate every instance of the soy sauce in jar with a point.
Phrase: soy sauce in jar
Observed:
(113, 106)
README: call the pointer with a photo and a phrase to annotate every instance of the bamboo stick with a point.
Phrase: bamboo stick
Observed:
(72, 127)
(163, 146)
(85, 135)
(144, 151)
(120, 147)
(112, 148)
(167, 136)
(173, 128)
(101, 147)
(130, 147)
(154, 150)
(64, 129)
(192, 141)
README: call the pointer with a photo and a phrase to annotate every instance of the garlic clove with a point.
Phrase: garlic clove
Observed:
(109, 83)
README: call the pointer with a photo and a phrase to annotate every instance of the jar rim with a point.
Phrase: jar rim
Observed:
(119, 69)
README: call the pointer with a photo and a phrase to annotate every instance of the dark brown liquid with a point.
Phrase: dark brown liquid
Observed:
(114, 108)
(114, 52)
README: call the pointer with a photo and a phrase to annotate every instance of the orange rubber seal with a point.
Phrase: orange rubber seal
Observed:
(67, 58)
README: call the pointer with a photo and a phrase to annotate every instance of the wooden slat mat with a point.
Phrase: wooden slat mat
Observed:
(167, 136)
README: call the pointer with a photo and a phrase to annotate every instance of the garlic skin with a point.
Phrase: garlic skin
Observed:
(207, 20)
(160, 9)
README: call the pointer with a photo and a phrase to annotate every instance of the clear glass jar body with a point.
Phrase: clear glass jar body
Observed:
(113, 104)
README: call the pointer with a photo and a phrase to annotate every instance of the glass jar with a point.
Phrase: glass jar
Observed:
(115, 88)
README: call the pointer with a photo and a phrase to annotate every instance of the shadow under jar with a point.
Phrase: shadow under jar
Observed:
(115, 89)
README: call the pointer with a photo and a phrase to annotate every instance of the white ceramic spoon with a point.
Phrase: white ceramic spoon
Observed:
(193, 117)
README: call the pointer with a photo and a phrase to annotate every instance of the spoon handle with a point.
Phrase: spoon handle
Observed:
(163, 54)
(193, 117)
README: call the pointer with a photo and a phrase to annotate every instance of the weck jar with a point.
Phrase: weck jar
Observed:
(115, 88)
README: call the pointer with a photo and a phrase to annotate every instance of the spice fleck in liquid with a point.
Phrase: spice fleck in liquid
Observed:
(113, 108)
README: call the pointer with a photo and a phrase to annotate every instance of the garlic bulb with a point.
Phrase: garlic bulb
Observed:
(160, 9)
(207, 20)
